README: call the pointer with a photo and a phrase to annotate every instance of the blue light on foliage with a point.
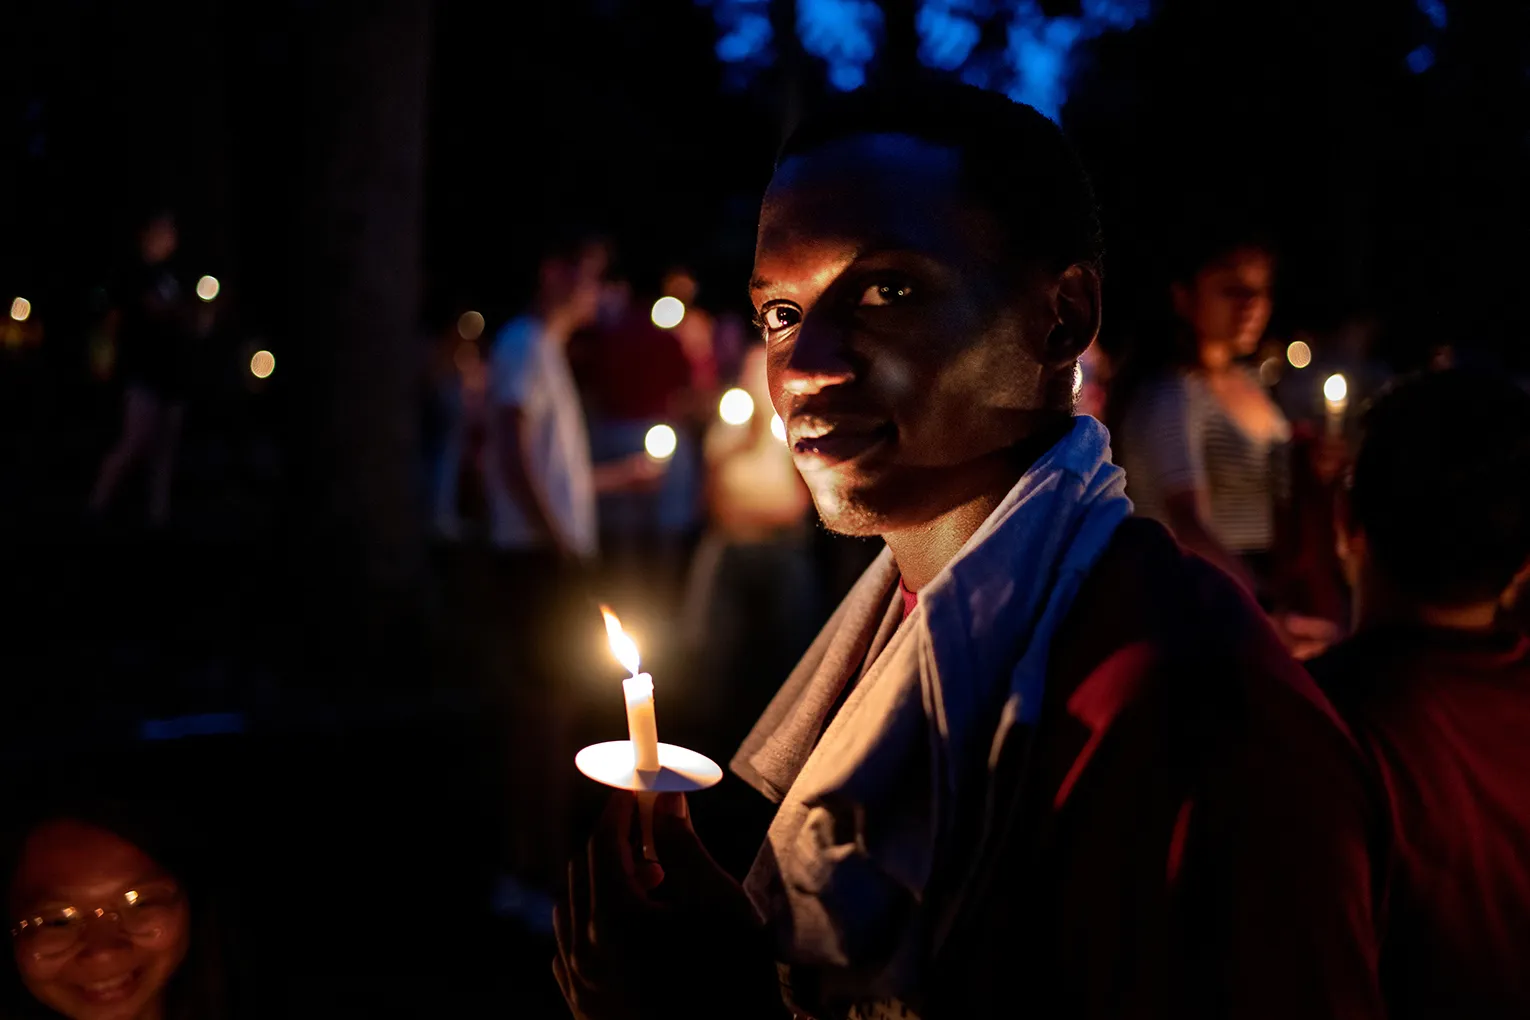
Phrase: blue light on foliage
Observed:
(843, 34)
(1104, 15)
(744, 31)
(1421, 60)
(748, 39)
(946, 38)
(1039, 47)
(1033, 67)
(1434, 10)
(847, 77)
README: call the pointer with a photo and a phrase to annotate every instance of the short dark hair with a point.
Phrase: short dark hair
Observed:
(1209, 233)
(1015, 161)
(1441, 486)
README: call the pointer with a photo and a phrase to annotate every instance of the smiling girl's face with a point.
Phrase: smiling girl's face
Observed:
(111, 965)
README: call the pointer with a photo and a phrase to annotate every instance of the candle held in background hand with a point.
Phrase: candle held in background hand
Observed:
(1336, 398)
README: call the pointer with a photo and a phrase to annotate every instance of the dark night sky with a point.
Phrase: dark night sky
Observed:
(1399, 192)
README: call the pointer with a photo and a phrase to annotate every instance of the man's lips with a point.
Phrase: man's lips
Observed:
(827, 442)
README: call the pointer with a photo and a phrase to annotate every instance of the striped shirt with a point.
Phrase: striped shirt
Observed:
(1177, 437)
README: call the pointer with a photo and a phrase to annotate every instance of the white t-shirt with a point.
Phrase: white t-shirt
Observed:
(529, 371)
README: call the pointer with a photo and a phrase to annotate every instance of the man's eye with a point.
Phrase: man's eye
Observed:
(881, 294)
(778, 317)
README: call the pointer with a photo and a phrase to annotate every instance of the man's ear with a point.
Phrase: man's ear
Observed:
(1078, 315)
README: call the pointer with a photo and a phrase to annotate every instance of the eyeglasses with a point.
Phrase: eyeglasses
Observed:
(140, 913)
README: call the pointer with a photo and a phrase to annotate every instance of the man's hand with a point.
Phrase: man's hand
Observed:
(637, 939)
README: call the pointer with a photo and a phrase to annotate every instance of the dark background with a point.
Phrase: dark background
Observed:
(358, 174)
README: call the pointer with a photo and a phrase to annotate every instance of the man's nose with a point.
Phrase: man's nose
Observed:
(820, 358)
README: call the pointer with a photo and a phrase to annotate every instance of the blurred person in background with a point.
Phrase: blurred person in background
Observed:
(635, 375)
(1203, 444)
(542, 487)
(750, 605)
(153, 318)
(696, 331)
(110, 922)
(455, 403)
(1435, 685)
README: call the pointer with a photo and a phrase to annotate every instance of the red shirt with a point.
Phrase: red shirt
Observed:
(910, 598)
(631, 371)
(1445, 718)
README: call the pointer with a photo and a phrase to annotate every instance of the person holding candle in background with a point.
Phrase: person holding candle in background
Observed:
(1435, 684)
(1204, 446)
(542, 488)
(1040, 753)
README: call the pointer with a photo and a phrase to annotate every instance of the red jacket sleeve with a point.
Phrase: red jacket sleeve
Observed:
(1271, 863)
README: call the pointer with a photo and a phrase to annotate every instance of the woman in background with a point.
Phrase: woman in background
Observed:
(1203, 444)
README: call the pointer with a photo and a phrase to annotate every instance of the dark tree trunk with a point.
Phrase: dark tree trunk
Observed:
(358, 282)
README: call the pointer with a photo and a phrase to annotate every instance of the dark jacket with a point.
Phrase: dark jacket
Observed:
(1187, 834)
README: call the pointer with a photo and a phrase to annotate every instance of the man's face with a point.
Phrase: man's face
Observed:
(903, 353)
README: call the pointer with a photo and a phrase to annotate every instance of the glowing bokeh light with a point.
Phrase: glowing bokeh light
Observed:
(1078, 379)
(208, 287)
(736, 407)
(778, 428)
(1299, 354)
(668, 312)
(20, 309)
(1335, 389)
(1269, 371)
(262, 364)
(661, 442)
(470, 325)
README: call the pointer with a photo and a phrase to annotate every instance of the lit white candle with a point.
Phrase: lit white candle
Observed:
(1336, 396)
(642, 727)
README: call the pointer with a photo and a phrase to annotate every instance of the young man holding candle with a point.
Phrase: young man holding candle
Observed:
(1040, 754)
(1436, 685)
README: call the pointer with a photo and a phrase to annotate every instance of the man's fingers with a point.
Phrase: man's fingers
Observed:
(560, 975)
(581, 934)
(613, 872)
(561, 929)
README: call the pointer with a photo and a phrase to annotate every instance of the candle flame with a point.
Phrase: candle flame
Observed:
(622, 646)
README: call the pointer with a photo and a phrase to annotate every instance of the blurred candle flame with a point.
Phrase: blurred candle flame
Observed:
(622, 645)
(661, 442)
(736, 407)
